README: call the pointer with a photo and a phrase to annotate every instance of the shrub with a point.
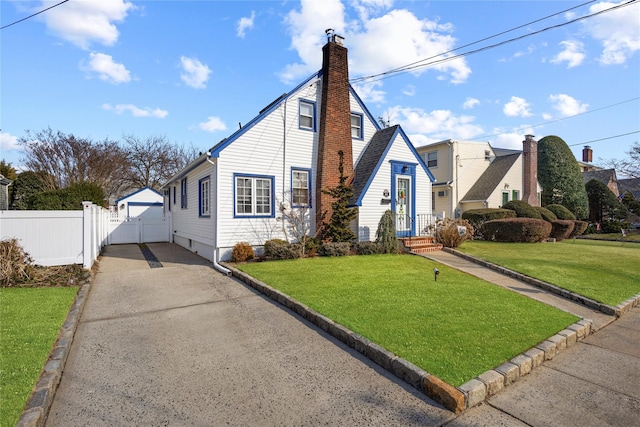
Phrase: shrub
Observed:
(242, 252)
(451, 233)
(477, 217)
(16, 266)
(516, 230)
(311, 245)
(335, 249)
(579, 227)
(561, 212)
(367, 248)
(545, 213)
(386, 233)
(613, 226)
(561, 229)
(522, 209)
(281, 249)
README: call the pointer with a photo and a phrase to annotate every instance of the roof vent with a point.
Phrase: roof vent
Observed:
(332, 37)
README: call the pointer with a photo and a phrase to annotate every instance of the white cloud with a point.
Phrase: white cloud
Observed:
(212, 124)
(195, 73)
(376, 43)
(510, 139)
(85, 22)
(618, 31)
(410, 90)
(107, 69)
(469, 103)
(135, 111)
(435, 125)
(567, 105)
(9, 142)
(245, 24)
(573, 53)
(370, 92)
(517, 107)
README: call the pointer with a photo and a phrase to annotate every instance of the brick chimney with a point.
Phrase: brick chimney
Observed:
(587, 154)
(334, 126)
(530, 172)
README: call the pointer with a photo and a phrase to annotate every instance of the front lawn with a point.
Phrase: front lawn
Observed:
(30, 321)
(455, 328)
(608, 272)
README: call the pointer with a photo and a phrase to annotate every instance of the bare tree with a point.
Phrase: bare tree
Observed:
(153, 160)
(629, 166)
(296, 222)
(63, 159)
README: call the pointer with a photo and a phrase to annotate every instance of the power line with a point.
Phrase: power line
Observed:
(409, 67)
(31, 16)
(604, 139)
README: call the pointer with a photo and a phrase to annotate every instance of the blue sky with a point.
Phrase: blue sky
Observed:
(193, 70)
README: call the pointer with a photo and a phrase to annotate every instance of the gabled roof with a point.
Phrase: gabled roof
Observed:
(372, 158)
(489, 180)
(603, 175)
(136, 192)
(630, 185)
(5, 181)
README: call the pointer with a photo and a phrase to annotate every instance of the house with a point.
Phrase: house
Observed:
(285, 157)
(473, 175)
(606, 176)
(143, 203)
(4, 192)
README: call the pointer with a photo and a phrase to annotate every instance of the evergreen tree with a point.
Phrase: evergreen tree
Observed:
(386, 233)
(603, 204)
(337, 230)
(560, 177)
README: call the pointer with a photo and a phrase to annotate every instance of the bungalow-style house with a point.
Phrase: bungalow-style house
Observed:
(286, 156)
(473, 175)
(4, 192)
(143, 203)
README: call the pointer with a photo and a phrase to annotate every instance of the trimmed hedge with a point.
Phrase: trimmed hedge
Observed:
(516, 230)
(281, 249)
(545, 213)
(477, 217)
(367, 248)
(522, 209)
(335, 249)
(561, 229)
(579, 228)
(561, 212)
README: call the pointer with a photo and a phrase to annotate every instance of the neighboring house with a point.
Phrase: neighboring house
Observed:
(631, 186)
(605, 176)
(286, 156)
(143, 203)
(473, 175)
(4, 192)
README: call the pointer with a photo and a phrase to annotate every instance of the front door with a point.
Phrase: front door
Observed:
(403, 205)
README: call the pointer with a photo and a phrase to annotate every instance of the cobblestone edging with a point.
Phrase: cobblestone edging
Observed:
(456, 399)
(37, 407)
(617, 311)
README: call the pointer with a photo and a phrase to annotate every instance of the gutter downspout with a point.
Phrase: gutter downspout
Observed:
(217, 266)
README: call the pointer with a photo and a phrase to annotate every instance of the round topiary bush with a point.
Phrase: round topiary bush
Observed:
(561, 212)
(579, 228)
(242, 251)
(522, 230)
(522, 209)
(545, 213)
(561, 229)
(477, 217)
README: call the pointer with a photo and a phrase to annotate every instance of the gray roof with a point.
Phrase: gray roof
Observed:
(489, 180)
(630, 185)
(369, 160)
(603, 175)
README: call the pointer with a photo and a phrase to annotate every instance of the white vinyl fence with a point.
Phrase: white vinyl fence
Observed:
(58, 237)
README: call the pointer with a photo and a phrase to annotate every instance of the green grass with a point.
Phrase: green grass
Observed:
(455, 328)
(30, 319)
(608, 272)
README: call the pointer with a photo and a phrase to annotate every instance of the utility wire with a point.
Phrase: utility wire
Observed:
(409, 67)
(604, 139)
(31, 16)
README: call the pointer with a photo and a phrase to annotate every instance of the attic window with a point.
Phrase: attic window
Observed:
(307, 115)
(356, 126)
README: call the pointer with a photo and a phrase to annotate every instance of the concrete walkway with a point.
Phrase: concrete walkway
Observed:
(184, 345)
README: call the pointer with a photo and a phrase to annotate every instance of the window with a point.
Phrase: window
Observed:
(183, 193)
(515, 195)
(356, 126)
(307, 115)
(300, 188)
(253, 196)
(174, 194)
(204, 197)
(167, 193)
(505, 197)
(431, 159)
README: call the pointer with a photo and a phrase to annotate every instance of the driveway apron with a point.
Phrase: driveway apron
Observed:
(164, 339)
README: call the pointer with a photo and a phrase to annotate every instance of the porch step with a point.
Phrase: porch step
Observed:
(420, 245)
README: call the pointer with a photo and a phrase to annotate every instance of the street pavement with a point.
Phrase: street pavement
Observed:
(184, 345)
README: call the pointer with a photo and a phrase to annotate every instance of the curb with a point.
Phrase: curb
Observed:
(455, 399)
(37, 408)
(617, 311)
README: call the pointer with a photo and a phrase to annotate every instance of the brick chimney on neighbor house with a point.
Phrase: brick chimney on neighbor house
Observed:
(334, 133)
(530, 172)
(587, 154)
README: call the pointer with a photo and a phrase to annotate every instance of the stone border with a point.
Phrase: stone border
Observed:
(37, 408)
(456, 399)
(617, 311)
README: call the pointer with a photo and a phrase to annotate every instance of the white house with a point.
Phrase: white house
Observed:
(286, 156)
(4, 192)
(143, 203)
(473, 174)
